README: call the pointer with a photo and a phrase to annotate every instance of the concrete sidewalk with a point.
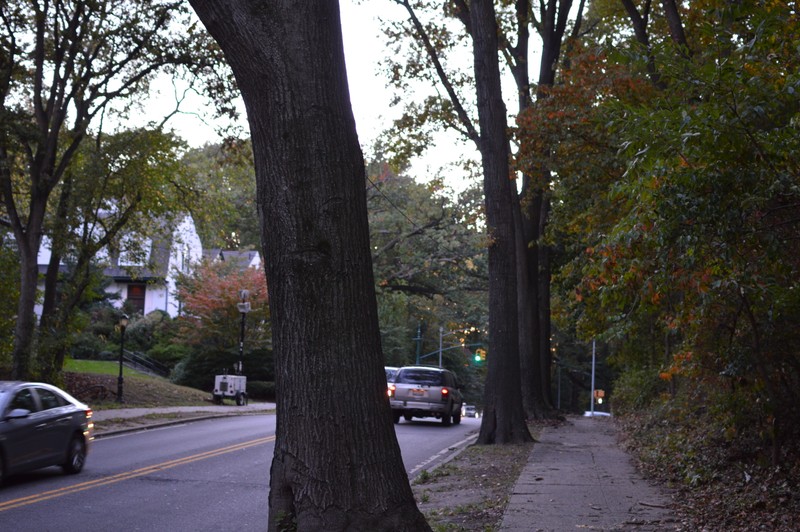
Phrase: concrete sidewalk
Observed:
(577, 477)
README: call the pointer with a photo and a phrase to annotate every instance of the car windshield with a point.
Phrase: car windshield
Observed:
(420, 376)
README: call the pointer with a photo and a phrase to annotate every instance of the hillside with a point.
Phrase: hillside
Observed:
(95, 382)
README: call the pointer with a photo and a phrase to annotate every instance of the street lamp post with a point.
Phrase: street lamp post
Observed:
(123, 324)
(244, 308)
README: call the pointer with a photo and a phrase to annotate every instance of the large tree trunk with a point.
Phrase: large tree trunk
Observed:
(503, 420)
(28, 239)
(25, 327)
(527, 250)
(529, 312)
(337, 464)
(545, 345)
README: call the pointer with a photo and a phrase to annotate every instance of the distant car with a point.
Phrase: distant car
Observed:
(420, 391)
(40, 426)
(390, 371)
(469, 411)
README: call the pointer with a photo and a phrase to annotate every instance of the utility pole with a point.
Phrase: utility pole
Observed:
(418, 340)
(591, 399)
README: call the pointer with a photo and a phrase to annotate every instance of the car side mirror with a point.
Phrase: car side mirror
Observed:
(18, 413)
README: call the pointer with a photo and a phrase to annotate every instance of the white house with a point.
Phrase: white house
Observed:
(145, 270)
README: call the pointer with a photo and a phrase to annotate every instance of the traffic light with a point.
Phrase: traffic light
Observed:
(598, 396)
(477, 357)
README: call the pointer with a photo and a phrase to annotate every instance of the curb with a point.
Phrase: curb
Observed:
(459, 448)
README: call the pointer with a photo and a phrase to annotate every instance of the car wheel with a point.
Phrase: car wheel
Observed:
(447, 419)
(2, 468)
(396, 417)
(76, 455)
(457, 417)
(241, 399)
(408, 417)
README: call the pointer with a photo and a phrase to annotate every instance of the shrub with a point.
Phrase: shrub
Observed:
(636, 389)
(168, 354)
(264, 390)
(88, 346)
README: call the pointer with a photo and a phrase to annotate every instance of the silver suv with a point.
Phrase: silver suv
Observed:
(419, 391)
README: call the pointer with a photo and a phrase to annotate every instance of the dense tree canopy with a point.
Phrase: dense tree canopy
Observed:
(227, 218)
(676, 211)
(67, 70)
(428, 254)
(121, 184)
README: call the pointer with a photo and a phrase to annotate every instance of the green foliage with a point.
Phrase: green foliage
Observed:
(261, 390)
(687, 262)
(96, 66)
(88, 345)
(396, 326)
(168, 353)
(153, 335)
(636, 389)
(427, 108)
(225, 175)
(9, 293)
(429, 261)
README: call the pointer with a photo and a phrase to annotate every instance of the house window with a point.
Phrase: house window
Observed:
(136, 296)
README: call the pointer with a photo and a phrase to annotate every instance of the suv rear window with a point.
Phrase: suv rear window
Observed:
(419, 376)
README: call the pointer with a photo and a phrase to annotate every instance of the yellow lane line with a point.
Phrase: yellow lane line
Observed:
(104, 481)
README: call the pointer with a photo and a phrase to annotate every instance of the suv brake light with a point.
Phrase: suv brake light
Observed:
(445, 393)
(390, 390)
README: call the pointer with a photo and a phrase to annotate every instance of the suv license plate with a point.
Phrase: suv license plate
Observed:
(418, 393)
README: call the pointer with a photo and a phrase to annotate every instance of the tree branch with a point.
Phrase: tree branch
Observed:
(472, 133)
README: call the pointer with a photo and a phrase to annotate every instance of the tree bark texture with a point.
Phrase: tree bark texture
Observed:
(337, 464)
(504, 419)
(28, 239)
(526, 256)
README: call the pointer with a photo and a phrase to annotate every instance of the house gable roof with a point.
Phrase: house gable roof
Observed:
(242, 259)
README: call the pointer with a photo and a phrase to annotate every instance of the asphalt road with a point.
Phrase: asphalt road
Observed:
(207, 475)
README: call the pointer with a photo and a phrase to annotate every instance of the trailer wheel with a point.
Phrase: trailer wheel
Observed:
(241, 399)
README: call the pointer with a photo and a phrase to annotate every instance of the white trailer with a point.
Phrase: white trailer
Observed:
(233, 386)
